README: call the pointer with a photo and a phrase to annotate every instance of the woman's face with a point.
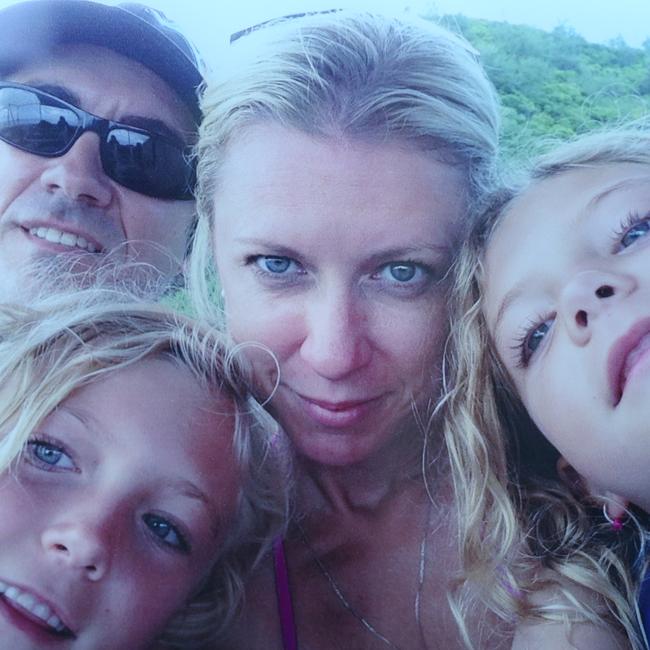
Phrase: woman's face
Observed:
(115, 512)
(567, 301)
(333, 253)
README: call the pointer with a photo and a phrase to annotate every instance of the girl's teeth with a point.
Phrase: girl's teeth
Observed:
(27, 601)
(31, 604)
(42, 611)
(55, 622)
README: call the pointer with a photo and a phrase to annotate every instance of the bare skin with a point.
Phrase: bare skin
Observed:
(333, 253)
(360, 540)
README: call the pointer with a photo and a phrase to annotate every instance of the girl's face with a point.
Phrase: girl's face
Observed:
(114, 514)
(567, 301)
(333, 253)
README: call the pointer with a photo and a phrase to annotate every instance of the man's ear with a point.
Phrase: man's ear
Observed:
(615, 505)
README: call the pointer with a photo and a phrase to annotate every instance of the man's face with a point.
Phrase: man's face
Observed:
(67, 206)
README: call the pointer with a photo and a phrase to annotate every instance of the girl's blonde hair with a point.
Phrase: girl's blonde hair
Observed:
(523, 528)
(63, 342)
(346, 75)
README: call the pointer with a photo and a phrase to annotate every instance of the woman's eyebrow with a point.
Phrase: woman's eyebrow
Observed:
(401, 252)
(278, 249)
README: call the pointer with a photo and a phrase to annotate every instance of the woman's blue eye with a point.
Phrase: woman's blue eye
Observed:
(274, 264)
(49, 455)
(166, 532)
(403, 272)
(635, 232)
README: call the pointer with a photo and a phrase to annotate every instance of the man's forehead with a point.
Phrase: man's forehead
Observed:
(110, 85)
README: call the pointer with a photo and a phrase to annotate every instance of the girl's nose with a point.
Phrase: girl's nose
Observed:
(79, 547)
(586, 295)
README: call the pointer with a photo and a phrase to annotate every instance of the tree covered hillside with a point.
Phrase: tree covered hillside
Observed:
(557, 83)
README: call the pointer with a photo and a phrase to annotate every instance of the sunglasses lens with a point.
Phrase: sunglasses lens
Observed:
(30, 123)
(144, 162)
(148, 164)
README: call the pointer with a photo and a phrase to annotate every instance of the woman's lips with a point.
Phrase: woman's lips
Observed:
(337, 414)
(625, 356)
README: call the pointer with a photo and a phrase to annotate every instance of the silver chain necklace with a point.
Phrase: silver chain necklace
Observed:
(344, 601)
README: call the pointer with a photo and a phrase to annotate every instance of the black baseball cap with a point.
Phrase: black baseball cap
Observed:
(29, 30)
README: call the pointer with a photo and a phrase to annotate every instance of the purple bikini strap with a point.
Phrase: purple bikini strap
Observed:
(283, 592)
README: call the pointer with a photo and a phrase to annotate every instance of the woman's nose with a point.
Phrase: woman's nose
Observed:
(336, 343)
(80, 547)
(586, 295)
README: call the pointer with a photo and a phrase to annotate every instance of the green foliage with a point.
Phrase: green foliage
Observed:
(556, 84)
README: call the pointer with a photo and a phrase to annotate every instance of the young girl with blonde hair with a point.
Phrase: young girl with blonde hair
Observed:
(136, 483)
(548, 410)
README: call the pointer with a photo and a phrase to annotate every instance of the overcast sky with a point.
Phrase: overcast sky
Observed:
(209, 22)
(597, 20)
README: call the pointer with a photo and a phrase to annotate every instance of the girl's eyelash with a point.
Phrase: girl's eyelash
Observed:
(44, 439)
(523, 336)
(633, 218)
(184, 546)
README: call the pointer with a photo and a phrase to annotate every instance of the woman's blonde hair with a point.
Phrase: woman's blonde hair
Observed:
(349, 75)
(524, 528)
(65, 341)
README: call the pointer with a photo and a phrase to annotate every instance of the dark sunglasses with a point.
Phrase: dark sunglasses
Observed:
(145, 162)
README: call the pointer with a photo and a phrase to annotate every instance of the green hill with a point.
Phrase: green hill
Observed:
(556, 83)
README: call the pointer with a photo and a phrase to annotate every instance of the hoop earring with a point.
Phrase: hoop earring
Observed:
(616, 523)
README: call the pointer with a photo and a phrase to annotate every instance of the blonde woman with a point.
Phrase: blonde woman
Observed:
(133, 462)
(549, 411)
(337, 159)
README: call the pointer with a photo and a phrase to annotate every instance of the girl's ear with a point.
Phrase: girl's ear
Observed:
(614, 504)
(576, 483)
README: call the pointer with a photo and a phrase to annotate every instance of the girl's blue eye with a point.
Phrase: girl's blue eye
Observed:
(634, 232)
(531, 339)
(536, 336)
(166, 532)
(49, 456)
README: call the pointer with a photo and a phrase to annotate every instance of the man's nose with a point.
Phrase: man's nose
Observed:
(79, 174)
(337, 340)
